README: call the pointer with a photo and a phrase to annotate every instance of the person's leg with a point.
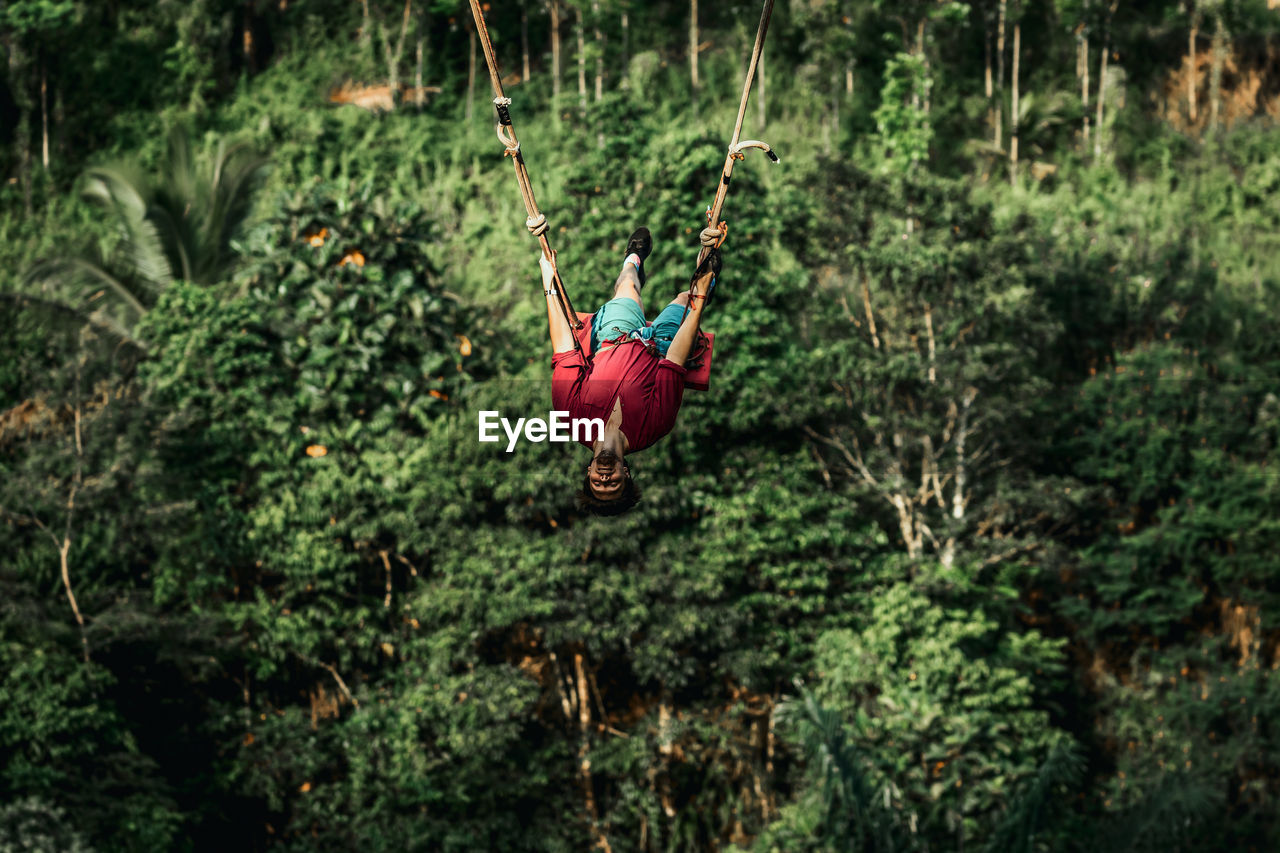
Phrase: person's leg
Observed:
(624, 313)
(628, 283)
(667, 323)
(615, 320)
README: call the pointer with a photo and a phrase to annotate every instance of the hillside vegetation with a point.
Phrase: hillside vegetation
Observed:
(969, 546)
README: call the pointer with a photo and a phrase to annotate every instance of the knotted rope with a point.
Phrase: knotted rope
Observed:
(536, 222)
(735, 147)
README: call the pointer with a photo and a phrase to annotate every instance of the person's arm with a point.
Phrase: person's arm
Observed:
(682, 343)
(684, 340)
(562, 336)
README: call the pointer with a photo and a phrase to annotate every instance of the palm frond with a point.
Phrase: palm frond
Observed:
(126, 195)
(72, 315)
(69, 275)
(853, 818)
(1166, 819)
(180, 176)
(180, 224)
(1061, 771)
(176, 234)
(235, 172)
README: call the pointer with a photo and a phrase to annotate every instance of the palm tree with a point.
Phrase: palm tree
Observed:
(177, 226)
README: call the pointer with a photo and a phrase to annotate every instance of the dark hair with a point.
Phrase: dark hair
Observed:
(590, 503)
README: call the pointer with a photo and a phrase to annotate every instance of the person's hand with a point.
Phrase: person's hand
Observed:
(704, 279)
(548, 270)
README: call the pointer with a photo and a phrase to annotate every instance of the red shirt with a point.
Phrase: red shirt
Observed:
(651, 389)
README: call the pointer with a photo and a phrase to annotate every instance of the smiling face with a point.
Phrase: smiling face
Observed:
(607, 476)
(608, 488)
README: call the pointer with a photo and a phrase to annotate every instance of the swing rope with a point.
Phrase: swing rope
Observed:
(536, 221)
(717, 229)
(714, 233)
(711, 237)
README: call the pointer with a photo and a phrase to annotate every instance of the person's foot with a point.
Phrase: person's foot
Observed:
(640, 245)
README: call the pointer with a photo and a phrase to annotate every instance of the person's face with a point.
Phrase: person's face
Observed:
(606, 476)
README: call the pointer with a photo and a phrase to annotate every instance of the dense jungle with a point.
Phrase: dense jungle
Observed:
(964, 548)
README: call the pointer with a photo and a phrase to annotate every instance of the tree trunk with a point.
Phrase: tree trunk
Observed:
(584, 754)
(364, 24)
(835, 108)
(1102, 81)
(924, 61)
(850, 61)
(44, 117)
(599, 37)
(582, 61)
(769, 747)
(1013, 111)
(471, 71)
(393, 56)
(246, 36)
(959, 499)
(626, 49)
(999, 123)
(59, 122)
(555, 57)
(666, 749)
(1193, 76)
(1219, 52)
(1102, 97)
(64, 547)
(22, 134)
(987, 82)
(417, 74)
(693, 54)
(524, 40)
(424, 48)
(1084, 88)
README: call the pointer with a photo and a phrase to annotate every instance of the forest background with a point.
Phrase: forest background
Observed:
(965, 548)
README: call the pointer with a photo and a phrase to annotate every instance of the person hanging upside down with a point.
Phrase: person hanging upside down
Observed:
(634, 381)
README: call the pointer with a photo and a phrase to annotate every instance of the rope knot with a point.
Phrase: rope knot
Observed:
(713, 238)
(537, 225)
(507, 138)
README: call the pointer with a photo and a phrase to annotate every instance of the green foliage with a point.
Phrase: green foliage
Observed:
(1043, 796)
(902, 122)
(943, 705)
(28, 16)
(178, 226)
(32, 824)
(935, 341)
(841, 810)
(69, 751)
(1185, 721)
(991, 466)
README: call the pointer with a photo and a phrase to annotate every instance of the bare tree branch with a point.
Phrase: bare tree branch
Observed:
(342, 685)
